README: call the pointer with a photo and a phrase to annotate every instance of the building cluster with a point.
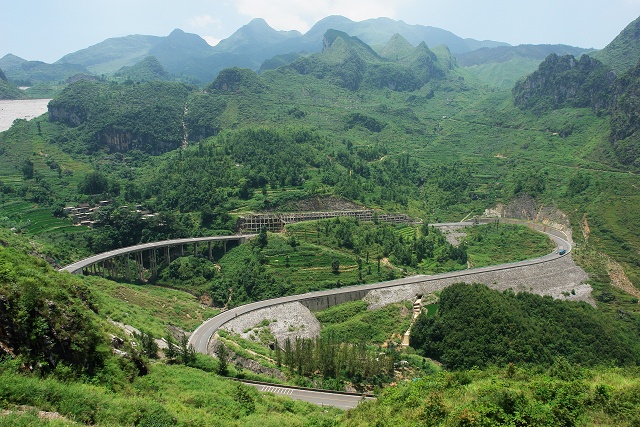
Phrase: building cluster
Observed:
(82, 213)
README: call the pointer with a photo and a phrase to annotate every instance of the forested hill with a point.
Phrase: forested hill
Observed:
(158, 117)
(8, 90)
(149, 69)
(623, 52)
(477, 326)
(145, 117)
(564, 81)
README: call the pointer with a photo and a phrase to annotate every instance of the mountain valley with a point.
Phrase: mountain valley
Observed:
(159, 138)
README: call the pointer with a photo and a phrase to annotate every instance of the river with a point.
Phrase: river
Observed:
(20, 109)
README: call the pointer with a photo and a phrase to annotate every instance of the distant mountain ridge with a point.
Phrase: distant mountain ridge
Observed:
(256, 45)
(184, 54)
(27, 73)
(7, 90)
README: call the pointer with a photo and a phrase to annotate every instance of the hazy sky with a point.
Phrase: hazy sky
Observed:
(46, 30)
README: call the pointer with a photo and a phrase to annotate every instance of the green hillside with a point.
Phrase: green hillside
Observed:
(61, 354)
(401, 128)
(7, 90)
(149, 69)
(112, 54)
(503, 66)
(28, 73)
(623, 52)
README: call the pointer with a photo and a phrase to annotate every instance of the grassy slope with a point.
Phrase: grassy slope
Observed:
(167, 396)
(563, 395)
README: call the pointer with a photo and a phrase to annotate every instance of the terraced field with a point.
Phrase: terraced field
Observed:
(33, 219)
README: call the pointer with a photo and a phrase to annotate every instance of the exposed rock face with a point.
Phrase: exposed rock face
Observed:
(525, 207)
(292, 320)
(70, 117)
(625, 118)
(564, 81)
(120, 141)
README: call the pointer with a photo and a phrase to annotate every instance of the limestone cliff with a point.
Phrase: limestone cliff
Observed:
(625, 118)
(564, 81)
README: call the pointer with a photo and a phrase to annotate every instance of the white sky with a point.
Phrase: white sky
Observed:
(46, 30)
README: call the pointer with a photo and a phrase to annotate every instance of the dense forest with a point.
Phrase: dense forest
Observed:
(476, 326)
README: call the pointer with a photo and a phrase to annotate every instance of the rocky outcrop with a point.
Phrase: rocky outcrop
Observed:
(526, 208)
(564, 81)
(122, 141)
(625, 118)
(69, 116)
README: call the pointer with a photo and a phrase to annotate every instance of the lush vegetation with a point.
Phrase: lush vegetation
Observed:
(353, 323)
(500, 243)
(403, 130)
(8, 90)
(167, 396)
(477, 326)
(564, 394)
(149, 69)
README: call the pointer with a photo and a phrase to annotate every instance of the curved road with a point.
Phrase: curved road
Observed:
(338, 399)
(201, 336)
(78, 266)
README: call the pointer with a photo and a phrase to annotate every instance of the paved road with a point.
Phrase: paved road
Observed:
(319, 397)
(201, 336)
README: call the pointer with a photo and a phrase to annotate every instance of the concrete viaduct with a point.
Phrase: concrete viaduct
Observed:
(117, 263)
(321, 300)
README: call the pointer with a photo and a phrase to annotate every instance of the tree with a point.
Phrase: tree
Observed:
(27, 169)
(187, 352)
(171, 351)
(94, 183)
(222, 354)
(262, 240)
(147, 343)
(335, 266)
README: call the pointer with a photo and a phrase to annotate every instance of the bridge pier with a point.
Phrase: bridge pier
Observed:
(167, 255)
(154, 263)
(117, 263)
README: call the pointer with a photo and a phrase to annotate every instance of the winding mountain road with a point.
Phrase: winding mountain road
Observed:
(202, 335)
